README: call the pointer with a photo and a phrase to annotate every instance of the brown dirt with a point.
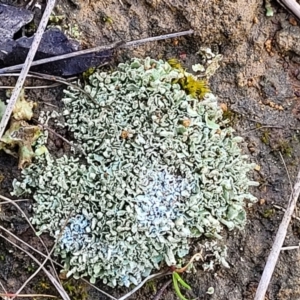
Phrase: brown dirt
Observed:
(259, 82)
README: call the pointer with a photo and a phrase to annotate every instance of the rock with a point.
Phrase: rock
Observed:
(288, 39)
(54, 42)
(12, 19)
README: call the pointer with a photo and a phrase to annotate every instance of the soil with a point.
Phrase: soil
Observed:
(259, 81)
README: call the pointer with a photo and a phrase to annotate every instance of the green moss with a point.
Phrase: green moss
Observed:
(76, 290)
(265, 136)
(42, 286)
(30, 268)
(268, 213)
(284, 146)
(230, 116)
(151, 285)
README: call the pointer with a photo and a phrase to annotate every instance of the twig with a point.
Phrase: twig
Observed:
(49, 104)
(61, 137)
(56, 79)
(287, 171)
(3, 288)
(27, 295)
(56, 263)
(63, 81)
(30, 56)
(99, 290)
(61, 57)
(12, 202)
(279, 239)
(289, 248)
(18, 200)
(262, 127)
(281, 208)
(45, 260)
(153, 276)
(162, 289)
(156, 38)
(7, 87)
(292, 6)
(194, 257)
(97, 49)
(57, 285)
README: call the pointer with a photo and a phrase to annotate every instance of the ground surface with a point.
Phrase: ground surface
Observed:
(258, 81)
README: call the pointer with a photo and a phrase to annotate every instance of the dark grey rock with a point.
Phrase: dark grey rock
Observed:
(12, 19)
(53, 43)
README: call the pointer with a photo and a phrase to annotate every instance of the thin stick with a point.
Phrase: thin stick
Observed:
(39, 76)
(7, 87)
(20, 82)
(49, 104)
(281, 208)
(98, 49)
(99, 290)
(59, 288)
(35, 273)
(162, 289)
(61, 137)
(44, 262)
(3, 288)
(287, 171)
(289, 248)
(63, 56)
(279, 239)
(27, 295)
(292, 6)
(18, 200)
(43, 255)
(24, 215)
(56, 79)
(156, 38)
(153, 276)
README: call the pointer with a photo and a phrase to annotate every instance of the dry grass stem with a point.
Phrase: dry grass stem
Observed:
(194, 257)
(112, 46)
(61, 137)
(32, 87)
(57, 284)
(153, 276)
(25, 68)
(292, 6)
(162, 289)
(37, 251)
(281, 208)
(29, 223)
(56, 79)
(27, 295)
(18, 200)
(2, 286)
(289, 248)
(278, 242)
(287, 171)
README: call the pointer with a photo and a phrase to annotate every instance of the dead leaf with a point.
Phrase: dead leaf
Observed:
(20, 135)
(23, 108)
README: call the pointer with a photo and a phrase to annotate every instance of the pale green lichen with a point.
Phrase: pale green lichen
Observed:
(161, 168)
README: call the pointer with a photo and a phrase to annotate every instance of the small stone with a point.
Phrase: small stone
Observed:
(262, 201)
(186, 123)
(293, 21)
(257, 168)
(224, 107)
